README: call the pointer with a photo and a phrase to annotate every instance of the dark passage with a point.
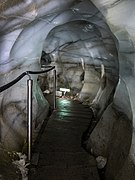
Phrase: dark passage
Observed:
(61, 156)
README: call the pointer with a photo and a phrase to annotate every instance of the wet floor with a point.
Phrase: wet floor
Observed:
(61, 156)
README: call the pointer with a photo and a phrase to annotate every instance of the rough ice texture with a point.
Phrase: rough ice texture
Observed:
(120, 20)
(77, 37)
(79, 47)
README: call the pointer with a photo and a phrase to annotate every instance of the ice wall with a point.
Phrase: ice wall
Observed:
(26, 29)
(77, 36)
(24, 26)
(115, 132)
(83, 45)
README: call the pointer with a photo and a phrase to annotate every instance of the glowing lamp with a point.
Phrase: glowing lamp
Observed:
(64, 90)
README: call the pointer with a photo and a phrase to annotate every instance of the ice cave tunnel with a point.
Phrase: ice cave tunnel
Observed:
(91, 44)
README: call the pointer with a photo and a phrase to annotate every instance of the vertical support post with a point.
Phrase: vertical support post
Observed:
(29, 116)
(54, 89)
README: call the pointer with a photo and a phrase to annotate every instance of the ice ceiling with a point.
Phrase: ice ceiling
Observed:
(91, 43)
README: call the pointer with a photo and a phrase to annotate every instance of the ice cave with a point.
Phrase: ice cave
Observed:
(91, 45)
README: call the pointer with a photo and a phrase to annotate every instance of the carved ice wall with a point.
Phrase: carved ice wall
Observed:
(115, 131)
(24, 28)
(77, 37)
(22, 36)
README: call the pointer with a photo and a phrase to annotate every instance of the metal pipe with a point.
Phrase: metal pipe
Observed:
(54, 89)
(29, 116)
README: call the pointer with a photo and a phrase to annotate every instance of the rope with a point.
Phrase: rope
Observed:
(8, 85)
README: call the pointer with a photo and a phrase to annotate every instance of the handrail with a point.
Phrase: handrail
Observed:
(8, 85)
(29, 99)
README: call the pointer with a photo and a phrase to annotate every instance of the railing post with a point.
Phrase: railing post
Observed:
(54, 89)
(29, 116)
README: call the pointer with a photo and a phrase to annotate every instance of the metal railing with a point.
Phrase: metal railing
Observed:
(29, 100)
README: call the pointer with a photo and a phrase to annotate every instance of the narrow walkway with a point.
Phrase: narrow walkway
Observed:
(61, 156)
